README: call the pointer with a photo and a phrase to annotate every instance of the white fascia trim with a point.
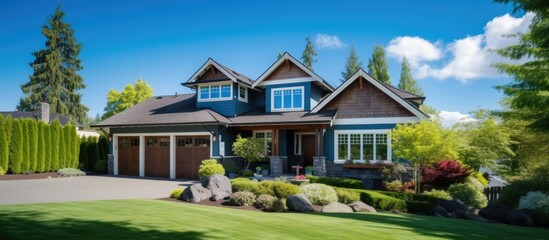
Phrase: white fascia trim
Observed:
(376, 84)
(388, 120)
(204, 67)
(142, 136)
(285, 81)
(288, 109)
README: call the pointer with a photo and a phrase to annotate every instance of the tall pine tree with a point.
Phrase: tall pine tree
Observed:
(4, 148)
(55, 79)
(16, 147)
(407, 82)
(352, 65)
(309, 55)
(377, 65)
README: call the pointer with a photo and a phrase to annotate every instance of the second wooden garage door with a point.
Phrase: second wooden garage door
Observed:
(157, 156)
(190, 151)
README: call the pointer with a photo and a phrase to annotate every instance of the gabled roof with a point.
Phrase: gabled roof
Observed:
(164, 110)
(405, 94)
(380, 86)
(231, 74)
(281, 60)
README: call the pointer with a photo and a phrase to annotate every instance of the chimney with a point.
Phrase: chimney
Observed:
(44, 112)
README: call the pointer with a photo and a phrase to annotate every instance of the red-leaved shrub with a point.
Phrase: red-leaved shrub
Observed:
(443, 174)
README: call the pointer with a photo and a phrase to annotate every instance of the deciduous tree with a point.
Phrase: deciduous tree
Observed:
(251, 149)
(130, 96)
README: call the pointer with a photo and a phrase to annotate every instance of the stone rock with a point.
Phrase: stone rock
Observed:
(195, 193)
(359, 206)
(299, 203)
(459, 214)
(452, 205)
(440, 211)
(474, 217)
(519, 218)
(336, 207)
(220, 186)
(496, 212)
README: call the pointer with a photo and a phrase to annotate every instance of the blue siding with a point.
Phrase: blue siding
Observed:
(228, 137)
(225, 108)
(329, 143)
(306, 88)
(316, 93)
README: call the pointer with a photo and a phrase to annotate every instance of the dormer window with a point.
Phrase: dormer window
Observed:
(287, 99)
(215, 92)
(242, 93)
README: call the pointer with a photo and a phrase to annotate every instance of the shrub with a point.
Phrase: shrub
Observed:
(419, 207)
(210, 167)
(283, 190)
(16, 147)
(55, 129)
(246, 173)
(469, 194)
(101, 166)
(41, 148)
(269, 203)
(511, 194)
(248, 186)
(347, 196)
(70, 172)
(4, 147)
(382, 202)
(409, 196)
(176, 193)
(337, 182)
(393, 172)
(442, 174)
(438, 194)
(319, 194)
(242, 199)
(2, 172)
(63, 150)
(93, 152)
(480, 177)
(83, 155)
(534, 200)
(394, 186)
(25, 164)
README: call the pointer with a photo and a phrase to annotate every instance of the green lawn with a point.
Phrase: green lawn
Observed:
(156, 219)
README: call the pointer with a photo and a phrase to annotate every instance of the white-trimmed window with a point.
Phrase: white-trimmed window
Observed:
(215, 92)
(242, 93)
(287, 99)
(362, 145)
(267, 136)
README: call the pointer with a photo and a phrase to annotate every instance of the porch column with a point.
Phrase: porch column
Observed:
(115, 153)
(319, 160)
(172, 156)
(141, 155)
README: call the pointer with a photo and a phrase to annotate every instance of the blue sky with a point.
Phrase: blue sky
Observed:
(165, 42)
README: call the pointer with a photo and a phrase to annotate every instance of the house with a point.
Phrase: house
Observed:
(42, 113)
(294, 110)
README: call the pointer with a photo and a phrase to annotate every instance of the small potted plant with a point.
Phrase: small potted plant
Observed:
(299, 179)
(309, 170)
(258, 172)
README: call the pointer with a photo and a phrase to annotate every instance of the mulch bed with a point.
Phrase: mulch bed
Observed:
(29, 176)
(225, 204)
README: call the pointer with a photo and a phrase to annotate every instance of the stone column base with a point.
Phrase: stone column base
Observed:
(277, 165)
(319, 165)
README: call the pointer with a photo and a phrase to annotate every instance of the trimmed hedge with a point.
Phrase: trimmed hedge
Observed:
(4, 147)
(337, 182)
(411, 197)
(380, 200)
(16, 147)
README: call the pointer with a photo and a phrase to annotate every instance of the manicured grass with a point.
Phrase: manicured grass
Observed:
(156, 219)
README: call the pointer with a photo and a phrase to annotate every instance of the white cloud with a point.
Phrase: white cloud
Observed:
(415, 49)
(449, 119)
(470, 57)
(328, 41)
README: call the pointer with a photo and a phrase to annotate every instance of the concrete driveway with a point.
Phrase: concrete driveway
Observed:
(85, 188)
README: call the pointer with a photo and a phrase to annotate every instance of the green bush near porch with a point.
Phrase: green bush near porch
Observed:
(337, 182)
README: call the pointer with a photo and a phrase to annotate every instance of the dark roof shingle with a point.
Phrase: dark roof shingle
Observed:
(20, 114)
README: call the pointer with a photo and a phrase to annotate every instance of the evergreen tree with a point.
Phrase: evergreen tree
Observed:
(55, 79)
(48, 139)
(25, 164)
(16, 147)
(62, 149)
(527, 94)
(55, 134)
(93, 152)
(105, 145)
(308, 56)
(41, 153)
(407, 82)
(102, 154)
(9, 127)
(33, 145)
(377, 65)
(83, 154)
(68, 145)
(76, 147)
(352, 65)
(4, 148)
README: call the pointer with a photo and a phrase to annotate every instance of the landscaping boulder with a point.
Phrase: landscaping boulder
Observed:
(359, 206)
(519, 218)
(299, 203)
(195, 193)
(495, 212)
(440, 211)
(452, 205)
(336, 207)
(220, 186)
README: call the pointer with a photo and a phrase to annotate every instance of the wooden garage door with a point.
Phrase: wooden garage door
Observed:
(190, 151)
(157, 156)
(128, 156)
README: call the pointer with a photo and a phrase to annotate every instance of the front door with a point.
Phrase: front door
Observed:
(308, 148)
